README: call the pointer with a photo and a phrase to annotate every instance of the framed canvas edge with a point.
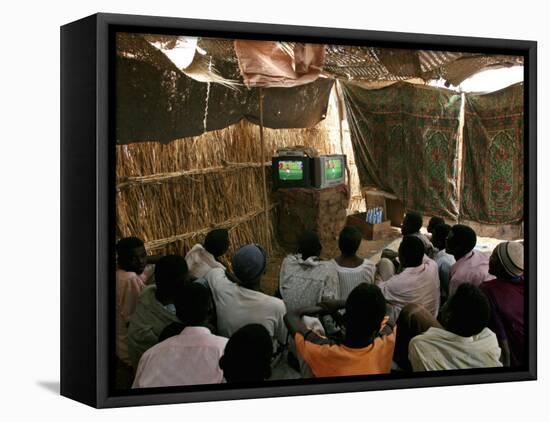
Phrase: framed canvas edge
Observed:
(105, 209)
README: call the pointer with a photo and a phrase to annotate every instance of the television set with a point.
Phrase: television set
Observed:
(291, 172)
(329, 170)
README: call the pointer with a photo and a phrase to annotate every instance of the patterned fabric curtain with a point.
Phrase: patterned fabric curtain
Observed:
(405, 142)
(492, 190)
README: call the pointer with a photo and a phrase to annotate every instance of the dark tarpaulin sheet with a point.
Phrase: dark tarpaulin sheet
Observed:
(154, 103)
(493, 157)
(404, 139)
(298, 107)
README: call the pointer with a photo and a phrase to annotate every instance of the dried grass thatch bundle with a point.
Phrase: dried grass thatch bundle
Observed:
(172, 195)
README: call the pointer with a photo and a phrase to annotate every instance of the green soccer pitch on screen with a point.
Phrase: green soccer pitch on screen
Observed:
(291, 170)
(333, 169)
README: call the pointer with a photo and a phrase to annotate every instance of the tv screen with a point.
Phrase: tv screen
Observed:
(291, 170)
(333, 169)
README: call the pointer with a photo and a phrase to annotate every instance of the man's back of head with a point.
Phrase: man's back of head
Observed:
(433, 223)
(247, 355)
(412, 223)
(365, 311)
(217, 242)
(171, 272)
(440, 233)
(309, 244)
(461, 240)
(411, 251)
(349, 240)
(193, 304)
(467, 312)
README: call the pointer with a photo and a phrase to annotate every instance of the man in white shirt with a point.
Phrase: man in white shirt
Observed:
(443, 259)
(240, 304)
(189, 358)
(305, 280)
(417, 283)
(351, 269)
(461, 341)
(202, 258)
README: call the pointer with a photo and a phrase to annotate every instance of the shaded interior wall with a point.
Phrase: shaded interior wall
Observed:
(171, 213)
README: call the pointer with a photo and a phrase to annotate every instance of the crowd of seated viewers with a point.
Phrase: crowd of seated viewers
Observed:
(435, 304)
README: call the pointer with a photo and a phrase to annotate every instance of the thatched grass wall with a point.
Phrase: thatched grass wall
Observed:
(172, 195)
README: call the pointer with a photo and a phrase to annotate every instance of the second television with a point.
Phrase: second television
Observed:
(329, 170)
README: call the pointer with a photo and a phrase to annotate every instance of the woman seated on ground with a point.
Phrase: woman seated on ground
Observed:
(352, 270)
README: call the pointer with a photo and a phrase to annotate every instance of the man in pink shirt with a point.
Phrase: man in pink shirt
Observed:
(417, 283)
(191, 357)
(131, 276)
(471, 265)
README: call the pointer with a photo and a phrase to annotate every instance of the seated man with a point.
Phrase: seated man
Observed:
(189, 358)
(240, 304)
(461, 341)
(412, 223)
(369, 339)
(418, 282)
(444, 260)
(432, 224)
(247, 355)
(201, 259)
(505, 294)
(352, 270)
(155, 309)
(471, 266)
(389, 263)
(131, 276)
(305, 279)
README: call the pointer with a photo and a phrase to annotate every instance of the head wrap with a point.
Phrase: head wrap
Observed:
(510, 255)
(249, 263)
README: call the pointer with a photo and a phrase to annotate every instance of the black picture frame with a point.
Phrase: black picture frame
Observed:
(88, 210)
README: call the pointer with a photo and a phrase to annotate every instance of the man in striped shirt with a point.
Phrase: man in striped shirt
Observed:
(352, 270)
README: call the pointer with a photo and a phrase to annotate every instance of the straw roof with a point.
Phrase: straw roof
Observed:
(218, 61)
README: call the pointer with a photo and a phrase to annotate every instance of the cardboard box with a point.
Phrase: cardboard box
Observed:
(370, 231)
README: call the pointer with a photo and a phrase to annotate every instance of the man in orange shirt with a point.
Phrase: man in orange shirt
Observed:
(369, 339)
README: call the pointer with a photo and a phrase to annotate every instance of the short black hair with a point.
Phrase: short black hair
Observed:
(192, 303)
(309, 244)
(434, 222)
(247, 355)
(411, 251)
(365, 311)
(440, 234)
(126, 245)
(467, 312)
(349, 240)
(217, 242)
(170, 273)
(464, 238)
(412, 223)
